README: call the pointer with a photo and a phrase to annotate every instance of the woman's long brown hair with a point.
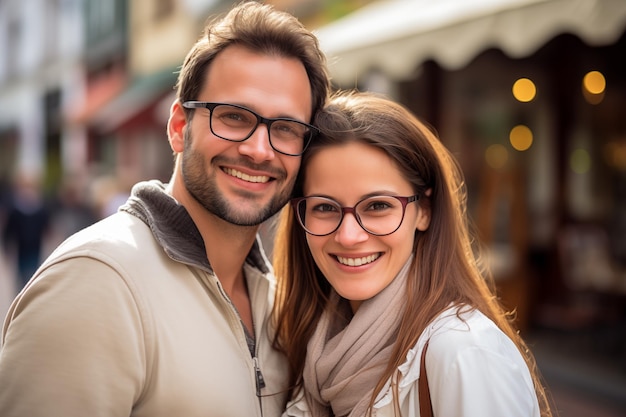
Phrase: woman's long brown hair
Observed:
(445, 267)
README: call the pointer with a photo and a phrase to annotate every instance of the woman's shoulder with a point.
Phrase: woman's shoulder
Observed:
(461, 330)
(455, 330)
(460, 324)
(464, 341)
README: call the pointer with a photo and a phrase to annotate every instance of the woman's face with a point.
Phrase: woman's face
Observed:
(356, 263)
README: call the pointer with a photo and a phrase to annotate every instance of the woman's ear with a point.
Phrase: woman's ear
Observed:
(176, 127)
(424, 212)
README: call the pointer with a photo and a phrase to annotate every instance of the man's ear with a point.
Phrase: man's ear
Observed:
(176, 127)
(424, 213)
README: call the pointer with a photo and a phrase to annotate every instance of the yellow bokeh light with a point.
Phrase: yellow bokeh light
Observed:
(496, 156)
(594, 82)
(580, 161)
(521, 137)
(524, 90)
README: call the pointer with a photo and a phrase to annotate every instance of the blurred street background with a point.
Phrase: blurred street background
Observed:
(530, 95)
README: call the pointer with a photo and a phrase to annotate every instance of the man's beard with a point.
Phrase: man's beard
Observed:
(206, 192)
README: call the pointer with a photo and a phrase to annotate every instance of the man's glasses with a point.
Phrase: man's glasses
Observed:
(236, 124)
(378, 215)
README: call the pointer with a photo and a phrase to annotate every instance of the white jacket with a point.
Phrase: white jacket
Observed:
(473, 369)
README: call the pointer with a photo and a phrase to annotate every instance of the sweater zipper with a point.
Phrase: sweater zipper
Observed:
(259, 380)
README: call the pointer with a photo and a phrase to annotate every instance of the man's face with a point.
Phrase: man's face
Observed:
(246, 182)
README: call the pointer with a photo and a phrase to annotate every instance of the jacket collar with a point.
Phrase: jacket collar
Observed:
(174, 229)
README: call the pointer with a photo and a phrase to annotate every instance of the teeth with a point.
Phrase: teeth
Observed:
(246, 177)
(358, 261)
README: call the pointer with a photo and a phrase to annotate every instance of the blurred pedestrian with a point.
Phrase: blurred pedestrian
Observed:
(162, 309)
(26, 225)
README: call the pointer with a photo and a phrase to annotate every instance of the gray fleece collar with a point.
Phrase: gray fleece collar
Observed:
(174, 229)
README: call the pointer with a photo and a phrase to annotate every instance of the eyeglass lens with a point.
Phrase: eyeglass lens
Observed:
(379, 215)
(237, 124)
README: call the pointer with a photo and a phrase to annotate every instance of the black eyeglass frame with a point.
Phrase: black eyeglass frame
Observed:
(403, 200)
(267, 121)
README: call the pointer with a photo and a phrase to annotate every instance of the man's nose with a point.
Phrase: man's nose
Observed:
(258, 146)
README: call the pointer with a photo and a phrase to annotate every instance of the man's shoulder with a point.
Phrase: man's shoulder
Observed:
(122, 242)
(120, 233)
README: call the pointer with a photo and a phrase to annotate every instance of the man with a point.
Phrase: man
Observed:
(163, 308)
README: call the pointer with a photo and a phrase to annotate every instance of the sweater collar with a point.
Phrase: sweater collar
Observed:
(174, 229)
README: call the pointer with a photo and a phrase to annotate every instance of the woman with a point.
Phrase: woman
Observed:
(375, 262)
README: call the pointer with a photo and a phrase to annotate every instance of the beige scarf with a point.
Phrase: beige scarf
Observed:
(346, 357)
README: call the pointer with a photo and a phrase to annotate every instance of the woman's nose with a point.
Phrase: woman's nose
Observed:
(350, 231)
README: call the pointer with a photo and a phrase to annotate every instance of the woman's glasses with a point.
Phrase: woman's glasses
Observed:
(378, 215)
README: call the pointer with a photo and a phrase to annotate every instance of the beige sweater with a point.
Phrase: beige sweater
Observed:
(118, 323)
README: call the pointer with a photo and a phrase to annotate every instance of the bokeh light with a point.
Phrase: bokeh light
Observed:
(524, 90)
(496, 156)
(580, 161)
(521, 137)
(615, 155)
(594, 86)
(594, 82)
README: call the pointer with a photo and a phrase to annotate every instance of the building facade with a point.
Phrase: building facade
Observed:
(41, 45)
